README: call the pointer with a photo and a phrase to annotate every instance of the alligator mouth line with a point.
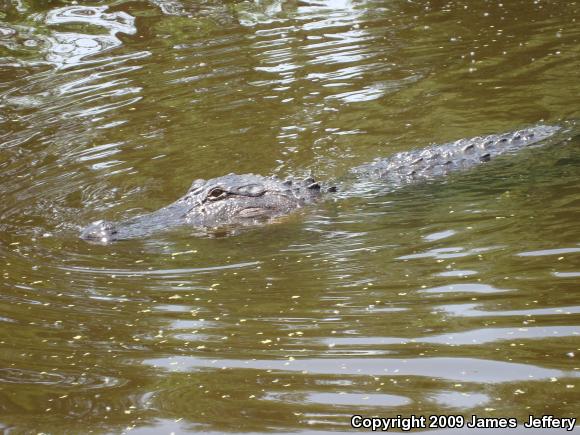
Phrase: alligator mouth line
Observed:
(252, 212)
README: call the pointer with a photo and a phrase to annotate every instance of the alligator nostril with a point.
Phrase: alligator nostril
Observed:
(99, 231)
(309, 180)
(314, 186)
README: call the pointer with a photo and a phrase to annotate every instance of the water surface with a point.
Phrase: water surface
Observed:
(459, 296)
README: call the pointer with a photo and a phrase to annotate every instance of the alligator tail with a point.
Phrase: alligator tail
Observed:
(439, 160)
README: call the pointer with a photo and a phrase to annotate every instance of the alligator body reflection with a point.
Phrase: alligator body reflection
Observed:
(242, 200)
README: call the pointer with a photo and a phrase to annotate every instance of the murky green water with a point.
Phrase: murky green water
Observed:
(454, 297)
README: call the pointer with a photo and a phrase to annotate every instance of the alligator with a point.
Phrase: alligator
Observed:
(234, 201)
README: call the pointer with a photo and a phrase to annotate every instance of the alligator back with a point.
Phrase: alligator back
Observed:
(439, 160)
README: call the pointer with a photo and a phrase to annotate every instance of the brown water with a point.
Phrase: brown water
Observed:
(454, 297)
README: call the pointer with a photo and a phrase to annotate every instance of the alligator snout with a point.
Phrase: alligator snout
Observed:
(100, 231)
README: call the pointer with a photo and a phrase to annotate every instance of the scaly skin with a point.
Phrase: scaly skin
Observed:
(439, 160)
(244, 200)
(232, 200)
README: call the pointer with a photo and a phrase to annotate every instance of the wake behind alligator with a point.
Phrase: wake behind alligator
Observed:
(244, 200)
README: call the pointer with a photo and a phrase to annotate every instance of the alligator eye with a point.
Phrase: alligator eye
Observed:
(216, 194)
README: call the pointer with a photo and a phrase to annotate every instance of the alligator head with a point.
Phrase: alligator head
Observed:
(228, 201)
